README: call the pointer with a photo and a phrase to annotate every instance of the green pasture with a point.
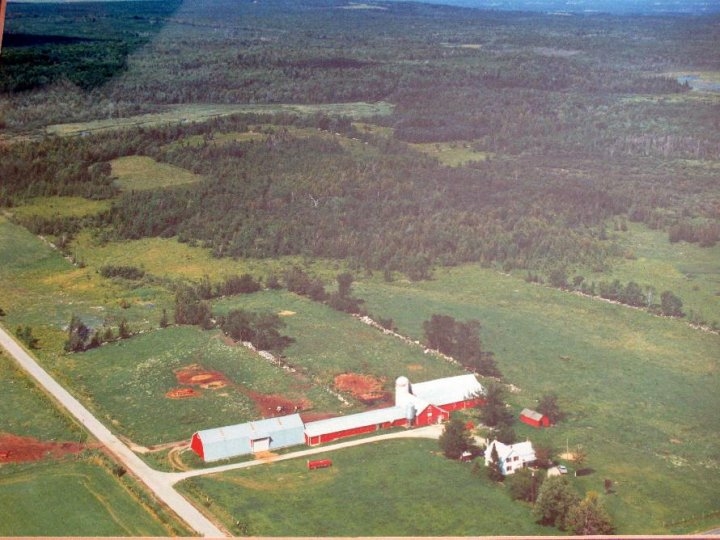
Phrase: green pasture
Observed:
(39, 287)
(54, 207)
(71, 498)
(26, 411)
(166, 258)
(144, 173)
(328, 343)
(393, 488)
(638, 389)
(691, 272)
(126, 383)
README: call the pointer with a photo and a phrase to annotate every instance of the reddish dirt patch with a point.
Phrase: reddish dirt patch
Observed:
(274, 405)
(196, 375)
(366, 388)
(17, 449)
(181, 393)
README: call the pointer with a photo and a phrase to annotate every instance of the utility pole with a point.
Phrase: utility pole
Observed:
(3, 3)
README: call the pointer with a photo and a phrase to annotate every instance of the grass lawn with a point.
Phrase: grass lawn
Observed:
(393, 488)
(328, 342)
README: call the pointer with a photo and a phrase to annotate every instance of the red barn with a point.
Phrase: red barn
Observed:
(422, 404)
(534, 418)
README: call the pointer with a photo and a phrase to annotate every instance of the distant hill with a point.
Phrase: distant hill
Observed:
(642, 7)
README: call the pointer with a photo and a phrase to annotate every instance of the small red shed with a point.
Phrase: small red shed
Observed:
(534, 418)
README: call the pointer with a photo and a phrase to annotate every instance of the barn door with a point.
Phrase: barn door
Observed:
(261, 445)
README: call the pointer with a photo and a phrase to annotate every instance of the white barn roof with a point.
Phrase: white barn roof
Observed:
(257, 429)
(352, 421)
(440, 392)
(229, 441)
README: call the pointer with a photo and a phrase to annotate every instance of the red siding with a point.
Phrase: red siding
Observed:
(328, 437)
(466, 404)
(196, 446)
(543, 422)
(431, 415)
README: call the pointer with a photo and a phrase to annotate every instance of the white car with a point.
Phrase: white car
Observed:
(562, 469)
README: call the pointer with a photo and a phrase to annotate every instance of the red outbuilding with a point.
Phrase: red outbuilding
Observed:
(534, 418)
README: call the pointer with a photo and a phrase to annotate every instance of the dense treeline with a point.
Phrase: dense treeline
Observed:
(86, 44)
(576, 127)
(391, 208)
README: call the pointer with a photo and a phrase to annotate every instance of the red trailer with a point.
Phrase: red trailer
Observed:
(319, 464)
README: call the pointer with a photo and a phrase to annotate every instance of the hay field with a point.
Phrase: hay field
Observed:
(144, 173)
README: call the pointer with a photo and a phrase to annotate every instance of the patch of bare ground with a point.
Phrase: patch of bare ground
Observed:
(17, 449)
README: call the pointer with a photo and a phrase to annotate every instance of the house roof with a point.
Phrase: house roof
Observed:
(440, 392)
(522, 449)
(258, 429)
(352, 421)
(529, 413)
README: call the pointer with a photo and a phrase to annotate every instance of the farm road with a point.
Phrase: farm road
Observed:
(430, 432)
(157, 482)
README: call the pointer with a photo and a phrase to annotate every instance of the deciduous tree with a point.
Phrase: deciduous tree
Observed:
(589, 517)
(555, 500)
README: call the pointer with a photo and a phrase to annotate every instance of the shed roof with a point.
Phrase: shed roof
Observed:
(258, 429)
(529, 413)
(455, 389)
(352, 421)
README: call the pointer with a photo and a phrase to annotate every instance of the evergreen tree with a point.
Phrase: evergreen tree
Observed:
(494, 412)
(494, 470)
(455, 439)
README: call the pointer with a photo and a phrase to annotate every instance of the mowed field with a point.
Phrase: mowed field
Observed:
(79, 494)
(394, 488)
(640, 391)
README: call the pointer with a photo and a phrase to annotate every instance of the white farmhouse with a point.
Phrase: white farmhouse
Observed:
(511, 456)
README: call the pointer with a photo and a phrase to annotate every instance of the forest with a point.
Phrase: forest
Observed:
(579, 121)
